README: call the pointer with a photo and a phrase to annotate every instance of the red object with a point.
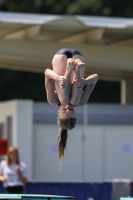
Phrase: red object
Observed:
(3, 147)
(3, 144)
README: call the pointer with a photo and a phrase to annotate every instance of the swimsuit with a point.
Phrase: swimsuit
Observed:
(68, 52)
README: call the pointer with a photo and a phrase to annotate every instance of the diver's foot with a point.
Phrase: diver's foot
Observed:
(79, 65)
(70, 64)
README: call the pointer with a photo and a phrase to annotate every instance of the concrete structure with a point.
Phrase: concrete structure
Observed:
(16, 121)
(99, 148)
(29, 41)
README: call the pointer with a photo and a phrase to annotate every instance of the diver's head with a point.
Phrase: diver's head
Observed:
(66, 111)
(66, 121)
(66, 117)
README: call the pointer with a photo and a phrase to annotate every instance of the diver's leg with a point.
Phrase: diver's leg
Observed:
(63, 66)
(80, 68)
(59, 64)
(77, 90)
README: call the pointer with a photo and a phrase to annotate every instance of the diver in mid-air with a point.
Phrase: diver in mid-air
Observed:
(67, 88)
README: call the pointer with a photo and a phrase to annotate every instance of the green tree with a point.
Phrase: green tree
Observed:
(119, 8)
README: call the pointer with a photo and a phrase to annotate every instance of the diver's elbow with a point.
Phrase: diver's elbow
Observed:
(46, 70)
(96, 77)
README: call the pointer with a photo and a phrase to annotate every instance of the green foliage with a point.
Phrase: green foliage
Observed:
(119, 8)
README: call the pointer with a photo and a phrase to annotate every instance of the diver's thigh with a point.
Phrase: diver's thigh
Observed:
(59, 64)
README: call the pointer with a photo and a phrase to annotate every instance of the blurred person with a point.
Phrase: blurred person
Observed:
(13, 172)
(66, 87)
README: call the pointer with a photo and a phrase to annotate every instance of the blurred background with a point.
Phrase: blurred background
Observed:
(100, 148)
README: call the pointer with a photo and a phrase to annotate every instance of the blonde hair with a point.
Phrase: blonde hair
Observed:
(9, 152)
(65, 125)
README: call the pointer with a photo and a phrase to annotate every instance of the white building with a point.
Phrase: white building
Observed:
(99, 148)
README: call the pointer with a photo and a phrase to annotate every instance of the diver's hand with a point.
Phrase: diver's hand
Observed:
(63, 82)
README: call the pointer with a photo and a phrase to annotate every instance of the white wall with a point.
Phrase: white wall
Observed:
(93, 152)
(22, 127)
(46, 163)
(92, 158)
(119, 164)
(24, 132)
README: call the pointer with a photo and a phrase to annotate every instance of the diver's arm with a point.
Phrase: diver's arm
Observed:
(86, 94)
(64, 91)
(52, 97)
(50, 74)
(79, 97)
(90, 81)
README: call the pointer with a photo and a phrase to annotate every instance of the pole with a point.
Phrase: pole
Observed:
(83, 137)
